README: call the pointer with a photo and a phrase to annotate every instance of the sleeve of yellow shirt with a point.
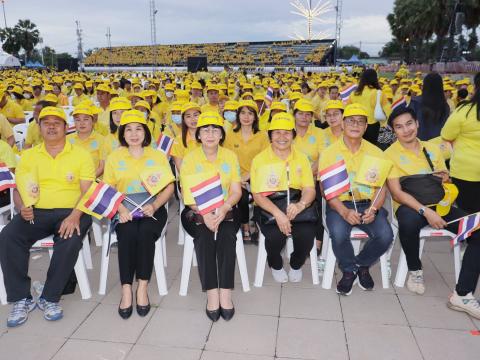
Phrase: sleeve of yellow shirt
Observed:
(307, 176)
(5, 128)
(7, 156)
(452, 127)
(177, 148)
(187, 169)
(109, 172)
(87, 169)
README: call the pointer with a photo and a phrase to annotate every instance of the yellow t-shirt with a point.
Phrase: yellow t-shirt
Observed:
(58, 178)
(246, 150)
(5, 128)
(328, 138)
(93, 144)
(338, 151)
(122, 170)
(311, 143)
(7, 156)
(78, 99)
(208, 107)
(27, 104)
(300, 169)
(263, 123)
(110, 143)
(12, 110)
(180, 151)
(368, 98)
(196, 168)
(33, 134)
(463, 129)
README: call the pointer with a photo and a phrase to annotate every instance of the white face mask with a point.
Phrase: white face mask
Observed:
(13, 97)
(168, 93)
(230, 116)
(177, 118)
(145, 115)
(27, 96)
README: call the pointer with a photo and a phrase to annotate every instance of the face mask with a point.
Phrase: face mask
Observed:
(27, 96)
(177, 119)
(230, 116)
(13, 97)
(168, 94)
(68, 84)
(145, 115)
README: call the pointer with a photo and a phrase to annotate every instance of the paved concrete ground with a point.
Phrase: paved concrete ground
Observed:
(290, 321)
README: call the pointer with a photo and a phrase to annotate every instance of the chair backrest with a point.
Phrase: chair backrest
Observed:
(20, 133)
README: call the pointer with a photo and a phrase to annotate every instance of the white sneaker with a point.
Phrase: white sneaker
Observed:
(466, 303)
(295, 275)
(280, 275)
(415, 282)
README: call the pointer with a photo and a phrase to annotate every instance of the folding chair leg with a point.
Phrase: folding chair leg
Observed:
(456, 260)
(242, 262)
(188, 253)
(194, 258)
(163, 239)
(313, 263)
(160, 268)
(3, 292)
(104, 262)
(329, 271)
(402, 270)
(97, 232)
(82, 277)
(384, 270)
(261, 261)
(87, 255)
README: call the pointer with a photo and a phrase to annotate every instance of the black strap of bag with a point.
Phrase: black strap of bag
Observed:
(428, 159)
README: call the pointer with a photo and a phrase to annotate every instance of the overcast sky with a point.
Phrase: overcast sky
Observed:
(194, 21)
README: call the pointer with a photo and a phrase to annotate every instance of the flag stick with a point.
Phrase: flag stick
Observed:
(454, 221)
(288, 191)
(215, 234)
(374, 200)
(140, 206)
(353, 197)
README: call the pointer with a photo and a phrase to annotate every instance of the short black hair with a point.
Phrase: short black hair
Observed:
(269, 132)
(121, 136)
(400, 111)
(197, 132)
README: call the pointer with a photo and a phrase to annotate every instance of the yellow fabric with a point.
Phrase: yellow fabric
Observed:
(445, 147)
(311, 143)
(263, 121)
(338, 151)
(101, 128)
(373, 171)
(58, 178)
(7, 156)
(271, 178)
(300, 169)
(172, 130)
(180, 151)
(368, 99)
(78, 99)
(33, 134)
(122, 170)
(328, 138)
(463, 129)
(207, 108)
(5, 128)
(196, 168)
(27, 104)
(110, 143)
(246, 150)
(12, 110)
(156, 178)
(93, 144)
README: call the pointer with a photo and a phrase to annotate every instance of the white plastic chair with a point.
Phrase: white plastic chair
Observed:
(428, 232)
(189, 256)
(262, 259)
(20, 133)
(97, 231)
(7, 210)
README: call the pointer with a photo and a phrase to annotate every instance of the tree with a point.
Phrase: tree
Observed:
(10, 41)
(49, 57)
(346, 52)
(28, 35)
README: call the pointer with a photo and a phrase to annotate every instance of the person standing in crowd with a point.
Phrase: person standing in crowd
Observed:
(136, 234)
(214, 234)
(117, 107)
(333, 116)
(246, 141)
(186, 141)
(462, 129)
(283, 154)
(355, 207)
(11, 109)
(411, 156)
(63, 173)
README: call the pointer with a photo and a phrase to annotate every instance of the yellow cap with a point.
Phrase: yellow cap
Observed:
(282, 121)
(103, 87)
(451, 193)
(209, 118)
(259, 97)
(249, 103)
(83, 108)
(51, 98)
(230, 105)
(120, 103)
(278, 105)
(448, 88)
(334, 104)
(53, 111)
(169, 87)
(142, 103)
(17, 90)
(304, 105)
(132, 116)
(48, 87)
(295, 95)
(245, 94)
(189, 106)
(212, 87)
(78, 86)
(355, 109)
(196, 85)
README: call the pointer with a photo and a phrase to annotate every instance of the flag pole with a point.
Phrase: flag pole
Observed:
(288, 192)
(454, 221)
(140, 206)
(216, 231)
(375, 199)
(353, 197)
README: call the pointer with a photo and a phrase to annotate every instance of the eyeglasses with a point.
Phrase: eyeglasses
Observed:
(211, 130)
(351, 121)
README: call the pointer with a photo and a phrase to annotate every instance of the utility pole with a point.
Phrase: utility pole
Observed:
(338, 28)
(153, 31)
(109, 44)
(4, 16)
(79, 46)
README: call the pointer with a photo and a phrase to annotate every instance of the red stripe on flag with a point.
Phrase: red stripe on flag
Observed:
(332, 167)
(337, 192)
(211, 208)
(92, 198)
(205, 183)
(115, 207)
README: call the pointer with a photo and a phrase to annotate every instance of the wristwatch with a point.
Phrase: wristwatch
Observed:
(421, 211)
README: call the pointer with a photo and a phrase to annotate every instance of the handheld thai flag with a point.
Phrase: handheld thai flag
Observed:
(269, 96)
(103, 201)
(164, 144)
(6, 178)
(400, 102)
(347, 91)
(466, 227)
(208, 195)
(335, 180)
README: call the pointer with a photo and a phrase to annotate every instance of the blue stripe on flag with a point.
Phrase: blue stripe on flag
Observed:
(334, 180)
(105, 201)
(205, 197)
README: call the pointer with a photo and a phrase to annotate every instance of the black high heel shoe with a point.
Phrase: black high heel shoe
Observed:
(227, 314)
(143, 310)
(213, 315)
(127, 312)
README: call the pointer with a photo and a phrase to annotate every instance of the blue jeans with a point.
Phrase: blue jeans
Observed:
(380, 237)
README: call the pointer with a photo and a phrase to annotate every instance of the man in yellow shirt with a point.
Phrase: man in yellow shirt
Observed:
(34, 136)
(213, 99)
(358, 206)
(53, 176)
(11, 110)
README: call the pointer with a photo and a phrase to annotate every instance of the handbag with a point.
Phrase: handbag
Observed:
(427, 189)
(378, 113)
(279, 198)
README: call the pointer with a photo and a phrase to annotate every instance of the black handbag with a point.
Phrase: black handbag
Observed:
(279, 198)
(427, 189)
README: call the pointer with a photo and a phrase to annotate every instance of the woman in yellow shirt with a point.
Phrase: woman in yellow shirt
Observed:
(79, 94)
(186, 142)
(334, 116)
(137, 233)
(246, 140)
(202, 163)
(117, 107)
(462, 129)
(152, 124)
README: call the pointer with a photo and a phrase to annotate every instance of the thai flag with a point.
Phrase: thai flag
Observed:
(269, 96)
(335, 180)
(347, 91)
(399, 102)
(104, 200)
(467, 225)
(164, 144)
(208, 195)
(6, 178)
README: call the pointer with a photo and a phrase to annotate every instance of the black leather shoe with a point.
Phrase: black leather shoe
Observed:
(125, 313)
(213, 315)
(143, 310)
(227, 314)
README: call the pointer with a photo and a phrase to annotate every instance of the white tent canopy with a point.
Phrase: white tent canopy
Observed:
(7, 60)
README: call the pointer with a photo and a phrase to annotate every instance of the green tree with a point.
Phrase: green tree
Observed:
(9, 38)
(28, 36)
(346, 52)
(49, 57)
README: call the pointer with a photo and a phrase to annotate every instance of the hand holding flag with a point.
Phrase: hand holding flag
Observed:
(101, 200)
(467, 226)
(335, 180)
(164, 144)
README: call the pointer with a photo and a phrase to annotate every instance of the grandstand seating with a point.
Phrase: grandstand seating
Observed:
(284, 53)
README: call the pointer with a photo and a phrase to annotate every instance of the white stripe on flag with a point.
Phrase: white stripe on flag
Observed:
(99, 197)
(332, 173)
(207, 188)
(111, 204)
(336, 187)
(211, 202)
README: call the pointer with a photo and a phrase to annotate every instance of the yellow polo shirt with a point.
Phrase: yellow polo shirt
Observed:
(33, 134)
(368, 98)
(27, 104)
(180, 151)
(12, 110)
(463, 129)
(208, 107)
(300, 169)
(263, 123)
(196, 168)
(338, 151)
(78, 99)
(93, 144)
(328, 138)
(58, 178)
(110, 143)
(311, 143)
(122, 170)
(5, 128)
(7, 156)
(246, 150)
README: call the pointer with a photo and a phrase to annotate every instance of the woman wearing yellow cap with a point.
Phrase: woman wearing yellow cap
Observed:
(215, 254)
(246, 140)
(79, 94)
(152, 124)
(266, 118)
(116, 108)
(278, 167)
(186, 141)
(333, 116)
(137, 233)
(172, 126)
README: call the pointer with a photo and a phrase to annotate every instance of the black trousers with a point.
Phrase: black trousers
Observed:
(410, 223)
(468, 195)
(302, 234)
(372, 133)
(243, 209)
(17, 238)
(136, 246)
(215, 258)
